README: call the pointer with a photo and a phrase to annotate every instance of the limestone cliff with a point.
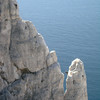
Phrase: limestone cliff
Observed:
(28, 71)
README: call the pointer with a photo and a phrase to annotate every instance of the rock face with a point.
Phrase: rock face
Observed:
(76, 82)
(28, 71)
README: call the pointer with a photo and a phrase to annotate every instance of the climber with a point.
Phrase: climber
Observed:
(66, 72)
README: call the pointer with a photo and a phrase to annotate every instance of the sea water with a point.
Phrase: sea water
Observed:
(72, 28)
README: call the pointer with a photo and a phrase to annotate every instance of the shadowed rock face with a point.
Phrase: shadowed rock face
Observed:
(28, 71)
(76, 82)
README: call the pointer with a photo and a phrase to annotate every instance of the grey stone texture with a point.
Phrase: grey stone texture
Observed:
(76, 82)
(28, 71)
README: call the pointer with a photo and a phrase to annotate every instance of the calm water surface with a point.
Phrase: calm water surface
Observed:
(72, 28)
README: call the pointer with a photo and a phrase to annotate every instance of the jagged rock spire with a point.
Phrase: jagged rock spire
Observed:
(76, 82)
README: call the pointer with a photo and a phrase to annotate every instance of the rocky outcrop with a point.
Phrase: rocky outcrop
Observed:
(76, 82)
(28, 71)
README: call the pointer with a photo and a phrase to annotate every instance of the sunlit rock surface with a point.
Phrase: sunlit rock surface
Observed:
(28, 71)
(76, 82)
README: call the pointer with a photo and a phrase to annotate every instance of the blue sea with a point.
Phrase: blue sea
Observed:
(72, 28)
